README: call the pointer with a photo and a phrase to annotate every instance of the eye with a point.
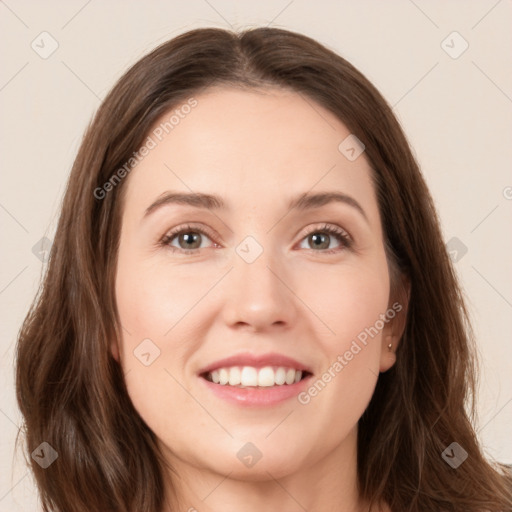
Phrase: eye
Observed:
(187, 237)
(321, 238)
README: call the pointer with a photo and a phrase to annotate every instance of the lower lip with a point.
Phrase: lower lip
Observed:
(257, 396)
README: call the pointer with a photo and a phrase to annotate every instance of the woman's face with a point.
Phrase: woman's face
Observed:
(256, 280)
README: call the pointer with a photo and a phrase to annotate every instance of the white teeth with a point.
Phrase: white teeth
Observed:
(290, 376)
(280, 376)
(234, 377)
(267, 376)
(223, 376)
(249, 376)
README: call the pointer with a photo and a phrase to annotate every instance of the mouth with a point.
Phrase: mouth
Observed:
(255, 380)
(254, 377)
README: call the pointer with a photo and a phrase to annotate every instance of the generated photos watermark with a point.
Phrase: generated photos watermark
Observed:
(151, 142)
(343, 360)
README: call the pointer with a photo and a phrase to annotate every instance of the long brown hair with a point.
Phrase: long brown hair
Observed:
(71, 391)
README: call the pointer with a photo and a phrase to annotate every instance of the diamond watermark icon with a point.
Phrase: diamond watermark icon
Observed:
(41, 249)
(454, 455)
(249, 249)
(146, 352)
(456, 249)
(249, 455)
(44, 455)
(454, 45)
(351, 147)
(44, 45)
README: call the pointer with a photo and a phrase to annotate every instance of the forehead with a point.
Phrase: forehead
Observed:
(252, 147)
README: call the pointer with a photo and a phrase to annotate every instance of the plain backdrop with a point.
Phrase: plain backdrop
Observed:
(445, 66)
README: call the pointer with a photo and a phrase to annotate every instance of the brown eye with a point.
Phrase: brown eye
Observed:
(186, 239)
(189, 240)
(320, 239)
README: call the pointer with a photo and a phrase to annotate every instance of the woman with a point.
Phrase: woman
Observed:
(249, 303)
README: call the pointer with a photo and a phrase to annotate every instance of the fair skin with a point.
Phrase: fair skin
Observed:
(256, 150)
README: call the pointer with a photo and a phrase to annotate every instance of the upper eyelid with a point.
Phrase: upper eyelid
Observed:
(172, 233)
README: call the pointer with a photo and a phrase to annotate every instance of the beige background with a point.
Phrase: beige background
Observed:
(457, 113)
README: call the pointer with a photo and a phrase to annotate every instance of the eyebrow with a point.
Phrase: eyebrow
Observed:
(306, 201)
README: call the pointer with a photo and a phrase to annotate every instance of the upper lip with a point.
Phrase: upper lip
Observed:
(257, 361)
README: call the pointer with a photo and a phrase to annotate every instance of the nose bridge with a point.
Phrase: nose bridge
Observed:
(258, 296)
(253, 263)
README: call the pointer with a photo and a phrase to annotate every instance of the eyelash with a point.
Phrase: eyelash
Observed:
(341, 235)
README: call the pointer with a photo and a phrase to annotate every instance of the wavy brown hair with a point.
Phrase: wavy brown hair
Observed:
(70, 389)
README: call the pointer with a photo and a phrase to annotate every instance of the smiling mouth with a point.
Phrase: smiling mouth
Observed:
(252, 377)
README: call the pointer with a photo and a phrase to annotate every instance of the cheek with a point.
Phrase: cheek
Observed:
(154, 302)
(152, 297)
(352, 303)
(347, 299)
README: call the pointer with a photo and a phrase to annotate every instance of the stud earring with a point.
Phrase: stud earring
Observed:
(390, 347)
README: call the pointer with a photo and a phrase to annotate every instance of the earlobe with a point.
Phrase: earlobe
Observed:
(388, 355)
(395, 328)
(114, 350)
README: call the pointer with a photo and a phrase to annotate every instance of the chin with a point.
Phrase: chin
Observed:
(247, 460)
(266, 468)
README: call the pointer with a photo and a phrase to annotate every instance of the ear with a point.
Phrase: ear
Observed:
(114, 350)
(395, 326)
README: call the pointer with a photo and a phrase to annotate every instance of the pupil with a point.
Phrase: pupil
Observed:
(318, 238)
(189, 238)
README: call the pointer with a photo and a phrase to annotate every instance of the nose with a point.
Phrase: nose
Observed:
(258, 294)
